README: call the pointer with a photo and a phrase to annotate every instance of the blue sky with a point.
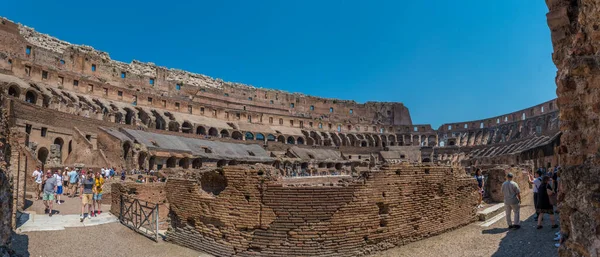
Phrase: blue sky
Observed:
(447, 61)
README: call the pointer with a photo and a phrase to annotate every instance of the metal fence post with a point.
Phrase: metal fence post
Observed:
(156, 217)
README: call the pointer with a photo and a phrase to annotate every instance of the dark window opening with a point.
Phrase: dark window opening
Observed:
(93, 67)
(123, 75)
(178, 87)
(120, 93)
(62, 62)
(44, 131)
(44, 74)
(28, 128)
(151, 81)
(75, 83)
(28, 50)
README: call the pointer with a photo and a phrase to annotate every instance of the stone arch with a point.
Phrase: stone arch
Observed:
(259, 136)
(70, 147)
(237, 135)
(270, 137)
(126, 149)
(300, 140)
(432, 141)
(171, 162)
(224, 133)
(187, 127)
(197, 163)
(336, 139)
(129, 116)
(352, 140)
(249, 136)
(14, 91)
(291, 140)
(426, 159)
(174, 126)
(200, 130)
(42, 155)
(142, 160)
(118, 117)
(151, 162)
(213, 132)
(281, 139)
(159, 121)
(221, 163)
(184, 163)
(344, 139)
(364, 143)
(59, 141)
(31, 97)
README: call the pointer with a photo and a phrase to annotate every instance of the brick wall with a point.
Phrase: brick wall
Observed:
(256, 216)
(151, 192)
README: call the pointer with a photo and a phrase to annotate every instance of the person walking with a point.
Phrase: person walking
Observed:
(37, 179)
(480, 183)
(544, 205)
(50, 186)
(86, 194)
(98, 186)
(59, 185)
(512, 201)
(536, 181)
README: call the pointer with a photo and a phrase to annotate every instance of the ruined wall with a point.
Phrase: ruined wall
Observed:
(575, 27)
(7, 214)
(241, 211)
(151, 192)
(496, 175)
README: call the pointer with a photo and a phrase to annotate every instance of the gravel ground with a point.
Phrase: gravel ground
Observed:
(103, 240)
(495, 240)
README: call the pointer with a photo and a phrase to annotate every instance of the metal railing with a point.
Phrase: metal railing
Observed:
(141, 216)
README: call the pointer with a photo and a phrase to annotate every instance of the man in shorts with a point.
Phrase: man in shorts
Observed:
(86, 194)
(37, 179)
(49, 190)
(98, 186)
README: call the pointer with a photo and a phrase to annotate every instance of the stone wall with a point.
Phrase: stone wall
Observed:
(496, 175)
(7, 214)
(241, 211)
(575, 27)
(152, 192)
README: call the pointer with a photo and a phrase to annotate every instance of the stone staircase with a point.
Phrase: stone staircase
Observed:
(490, 211)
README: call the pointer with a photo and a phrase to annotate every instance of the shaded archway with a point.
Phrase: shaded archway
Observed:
(126, 149)
(14, 91)
(42, 155)
(213, 132)
(281, 139)
(201, 130)
(129, 116)
(142, 160)
(291, 140)
(184, 163)
(270, 137)
(197, 163)
(59, 141)
(171, 162)
(221, 163)
(174, 126)
(259, 136)
(31, 97)
(151, 162)
(249, 136)
(237, 135)
(300, 140)
(224, 133)
(70, 146)
(187, 127)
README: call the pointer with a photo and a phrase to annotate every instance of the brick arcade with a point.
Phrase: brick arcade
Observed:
(252, 171)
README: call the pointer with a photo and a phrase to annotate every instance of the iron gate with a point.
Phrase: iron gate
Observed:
(140, 216)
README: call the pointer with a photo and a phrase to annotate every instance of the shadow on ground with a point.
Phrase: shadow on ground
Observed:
(526, 241)
(20, 244)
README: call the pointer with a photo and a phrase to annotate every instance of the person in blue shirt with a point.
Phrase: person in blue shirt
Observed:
(73, 180)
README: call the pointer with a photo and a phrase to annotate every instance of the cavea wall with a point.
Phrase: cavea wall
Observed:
(575, 27)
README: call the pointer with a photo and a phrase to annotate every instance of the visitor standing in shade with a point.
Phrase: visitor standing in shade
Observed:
(536, 181)
(544, 205)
